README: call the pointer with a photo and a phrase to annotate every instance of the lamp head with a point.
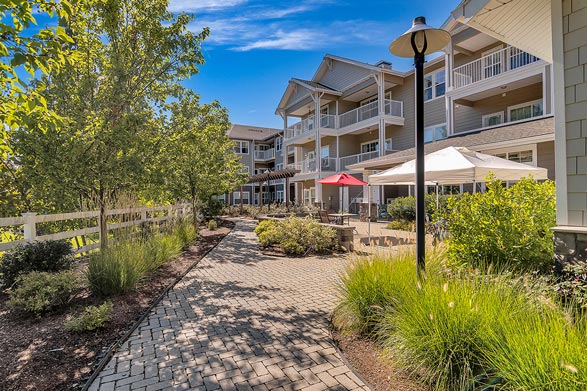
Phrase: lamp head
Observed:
(420, 39)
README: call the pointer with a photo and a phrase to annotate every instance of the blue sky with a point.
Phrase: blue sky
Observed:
(255, 46)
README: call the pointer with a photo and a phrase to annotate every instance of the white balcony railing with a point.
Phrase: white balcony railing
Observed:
(492, 65)
(365, 112)
(265, 155)
(311, 165)
(359, 114)
(354, 159)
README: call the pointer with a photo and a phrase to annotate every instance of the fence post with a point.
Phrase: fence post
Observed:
(30, 227)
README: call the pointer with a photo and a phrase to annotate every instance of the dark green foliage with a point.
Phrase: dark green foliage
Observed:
(41, 292)
(503, 226)
(93, 317)
(571, 284)
(45, 256)
(404, 208)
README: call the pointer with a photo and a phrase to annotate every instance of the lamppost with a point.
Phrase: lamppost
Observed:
(418, 41)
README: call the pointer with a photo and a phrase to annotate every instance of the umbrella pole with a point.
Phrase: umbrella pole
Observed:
(369, 214)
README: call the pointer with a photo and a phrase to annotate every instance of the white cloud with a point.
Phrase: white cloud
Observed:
(199, 5)
(301, 39)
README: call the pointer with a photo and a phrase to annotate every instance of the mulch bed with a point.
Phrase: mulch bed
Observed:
(368, 360)
(38, 354)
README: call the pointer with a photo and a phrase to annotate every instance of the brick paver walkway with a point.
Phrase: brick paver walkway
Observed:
(238, 321)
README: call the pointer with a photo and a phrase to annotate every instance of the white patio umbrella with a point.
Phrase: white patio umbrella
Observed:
(455, 165)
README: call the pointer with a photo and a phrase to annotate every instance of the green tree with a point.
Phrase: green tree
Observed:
(22, 52)
(132, 55)
(198, 158)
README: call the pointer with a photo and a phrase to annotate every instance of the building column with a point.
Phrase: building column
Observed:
(380, 80)
(570, 105)
(448, 67)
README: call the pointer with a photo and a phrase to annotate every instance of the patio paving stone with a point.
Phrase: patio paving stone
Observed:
(239, 320)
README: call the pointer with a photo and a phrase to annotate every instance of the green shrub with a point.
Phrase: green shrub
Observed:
(44, 256)
(41, 292)
(404, 208)
(296, 235)
(93, 317)
(212, 225)
(158, 250)
(504, 226)
(571, 285)
(403, 225)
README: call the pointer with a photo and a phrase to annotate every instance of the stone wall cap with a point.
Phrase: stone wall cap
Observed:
(570, 229)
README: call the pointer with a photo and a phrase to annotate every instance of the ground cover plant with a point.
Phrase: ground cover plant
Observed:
(464, 330)
(92, 318)
(296, 235)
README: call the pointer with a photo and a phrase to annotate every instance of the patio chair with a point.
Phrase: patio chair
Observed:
(324, 218)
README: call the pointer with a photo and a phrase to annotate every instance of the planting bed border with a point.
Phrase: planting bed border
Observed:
(116, 345)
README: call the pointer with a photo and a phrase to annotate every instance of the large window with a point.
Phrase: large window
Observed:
(492, 119)
(373, 146)
(242, 147)
(244, 170)
(518, 156)
(309, 195)
(435, 133)
(236, 198)
(434, 85)
(525, 110)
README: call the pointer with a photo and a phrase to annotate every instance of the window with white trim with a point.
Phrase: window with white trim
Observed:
(373, 146)
(279, 166)
(278, 143)
(492, 119)
(279, 196)
(374, 99)
(244, 170)
(236, 198)
(526, 156)
(241, 147)
(309, 195)
(325, 151)
(434, 84)
(435, 133)
(525, 110)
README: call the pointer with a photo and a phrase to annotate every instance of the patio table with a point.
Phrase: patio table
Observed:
(339, 217)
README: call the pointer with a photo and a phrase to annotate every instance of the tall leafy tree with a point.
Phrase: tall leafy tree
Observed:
(198, 159)
(132, 56)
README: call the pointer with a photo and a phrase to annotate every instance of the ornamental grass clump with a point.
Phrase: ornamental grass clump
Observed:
(465, 330)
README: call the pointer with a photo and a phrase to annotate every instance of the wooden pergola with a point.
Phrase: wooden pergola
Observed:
(286, 173)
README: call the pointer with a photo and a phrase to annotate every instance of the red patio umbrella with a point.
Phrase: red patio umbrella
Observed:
(342, 179)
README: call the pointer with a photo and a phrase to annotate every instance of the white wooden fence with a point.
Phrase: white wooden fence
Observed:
(128, 217)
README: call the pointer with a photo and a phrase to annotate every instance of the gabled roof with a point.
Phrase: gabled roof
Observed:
(255, 133)
(311, 85)
(480, 140)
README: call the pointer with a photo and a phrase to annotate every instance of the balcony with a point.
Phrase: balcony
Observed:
(310, 166)
(267, 154)
(491, 66)
(354, 159)
(346, 121)
(309, 124)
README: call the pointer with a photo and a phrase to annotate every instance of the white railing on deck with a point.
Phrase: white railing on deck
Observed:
(492, 65)
(311, 165)
(359, 114)
(127, 217)
(354, 159)
(265, 155)
(329, 121)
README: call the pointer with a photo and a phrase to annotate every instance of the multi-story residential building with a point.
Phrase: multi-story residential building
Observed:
(261, 150)
(482, 94)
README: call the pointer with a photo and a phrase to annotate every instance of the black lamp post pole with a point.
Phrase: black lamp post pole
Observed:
(420, 206)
